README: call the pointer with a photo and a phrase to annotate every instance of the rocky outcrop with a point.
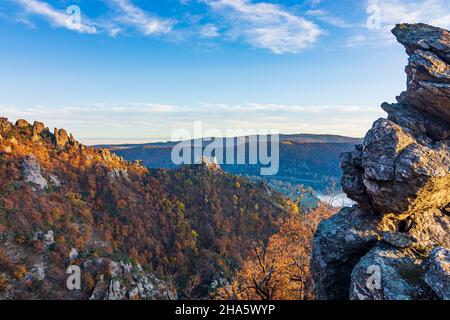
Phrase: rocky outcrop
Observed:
(21, 123)
(385, 246)
(338, 244)
(438, 272)
(5, 125)
(32, 173)
(38, 127)
(388, 273)
(35, 132)
(428, 69)
(61, 137)
(131, 282)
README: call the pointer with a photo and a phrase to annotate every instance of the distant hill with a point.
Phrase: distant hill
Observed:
(307, 159)
(299, 138)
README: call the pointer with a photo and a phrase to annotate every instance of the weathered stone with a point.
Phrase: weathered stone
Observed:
(400, 179)
(352, 180)
(338, 244)
(32, 172)
(399, 240)
(387, 273)
(54, 181)
(61, 137)
(117, 174)
(21, 123)
(116, 291)
(437, 275)
(400, 174)
(49, 238)
(382, 144)
(38, 127)
(131, 282)
(422, 175)
(37, 272)
(5, 125)
(428, 69)
(424, 37)
(73, 254)
(446, 209)
(422, 92)
(431, 228)
(416, 120)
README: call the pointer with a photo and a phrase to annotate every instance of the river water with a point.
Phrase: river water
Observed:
(339, 200)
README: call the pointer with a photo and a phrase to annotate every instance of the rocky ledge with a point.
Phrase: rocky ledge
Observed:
(395, 242)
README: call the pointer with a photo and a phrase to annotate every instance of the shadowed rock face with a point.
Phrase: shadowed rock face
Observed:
(338, 244)
(400, 180)
(438, 272)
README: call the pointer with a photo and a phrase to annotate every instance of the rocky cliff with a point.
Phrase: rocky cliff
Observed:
(395, 242)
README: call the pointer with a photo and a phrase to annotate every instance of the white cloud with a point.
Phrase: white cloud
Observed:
(56, 17)
(263, 25)
(126, 15)
(356, 40)
(435, 12)
(145, 22)
(266, 25)
(313, 3)
(209, 31)
(271, 107)
(153, 120)
(328, 18)
(392, 12)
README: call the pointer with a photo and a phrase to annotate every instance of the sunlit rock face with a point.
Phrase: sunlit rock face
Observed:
(400, 180)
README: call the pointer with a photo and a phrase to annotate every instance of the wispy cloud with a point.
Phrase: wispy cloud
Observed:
(152, 120)
(147, 23)
(124, 15)
(260, 24)
(288, 108)
(435, 12)
(209, 31)
(55, 17)
(329, 18)
(266, 25)
(392, 12)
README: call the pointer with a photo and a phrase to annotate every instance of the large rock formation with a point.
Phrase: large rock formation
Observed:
(394, 244)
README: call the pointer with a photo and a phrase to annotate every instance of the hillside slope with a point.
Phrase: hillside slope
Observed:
(134, 232)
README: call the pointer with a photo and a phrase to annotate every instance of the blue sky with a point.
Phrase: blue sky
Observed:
(136, 70)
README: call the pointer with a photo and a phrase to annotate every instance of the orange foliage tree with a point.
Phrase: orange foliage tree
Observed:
(281, 269)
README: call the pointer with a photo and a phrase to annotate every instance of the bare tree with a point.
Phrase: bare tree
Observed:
(193, 283)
